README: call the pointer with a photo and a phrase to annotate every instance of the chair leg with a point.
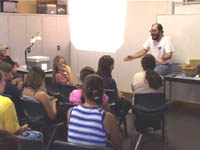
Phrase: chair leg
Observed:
(132, 132)
(164, 133)
(54, 134)
(125, 126)
(138, 141)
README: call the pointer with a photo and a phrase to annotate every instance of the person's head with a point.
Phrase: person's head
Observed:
(8, 141)
(153, 78)
(105, 66)
(7, 69)
(3, 50)
(2, 82)
(35, 78)
(85, 72)
(59, 63)
(148, 62)
(156, 31)
(93, 89)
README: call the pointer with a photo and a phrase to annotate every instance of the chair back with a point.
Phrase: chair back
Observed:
(30, 144)
(55, 88)
(61, 145)
(50, 85)
(34, 112)
(149, 102)
(149, 110)
(65, 90)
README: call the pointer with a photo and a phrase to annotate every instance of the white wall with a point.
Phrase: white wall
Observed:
(140, 17)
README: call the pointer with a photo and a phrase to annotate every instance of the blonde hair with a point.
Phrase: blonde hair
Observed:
(55, 65)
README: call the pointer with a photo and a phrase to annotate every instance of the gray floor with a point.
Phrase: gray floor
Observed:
(183, 126)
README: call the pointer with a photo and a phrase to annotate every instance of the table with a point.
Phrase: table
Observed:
(23, 70)
(181, 78)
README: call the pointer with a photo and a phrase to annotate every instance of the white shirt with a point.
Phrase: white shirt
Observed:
(160, 48)
(139, 84)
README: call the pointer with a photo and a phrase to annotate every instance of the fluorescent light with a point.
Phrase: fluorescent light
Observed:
(97, 25)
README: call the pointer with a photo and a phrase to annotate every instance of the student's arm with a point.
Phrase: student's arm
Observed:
(139, 54)
(112, 129)
(22, 129)
(68, 114)
(50, 107)
(71, 77)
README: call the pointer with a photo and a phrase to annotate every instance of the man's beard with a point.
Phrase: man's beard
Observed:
(155, 37)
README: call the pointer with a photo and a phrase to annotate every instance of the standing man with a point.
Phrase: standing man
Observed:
(160, 46)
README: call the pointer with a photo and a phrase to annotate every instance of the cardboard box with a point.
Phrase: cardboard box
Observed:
(191, 69)
(10, 6)
(40, 61)
(62, 2)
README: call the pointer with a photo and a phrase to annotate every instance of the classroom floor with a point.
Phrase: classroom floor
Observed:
(183, 131)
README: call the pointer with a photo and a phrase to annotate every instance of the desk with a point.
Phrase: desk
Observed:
(23, 70)
(181, 78)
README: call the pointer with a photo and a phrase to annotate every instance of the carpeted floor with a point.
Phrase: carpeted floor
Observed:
(183, 129)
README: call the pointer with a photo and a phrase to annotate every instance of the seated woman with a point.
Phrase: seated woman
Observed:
(62, 72)
(76, 96)
(105, 68)
(34, 87)
(8, 116)
(88, 123)
(147, 81)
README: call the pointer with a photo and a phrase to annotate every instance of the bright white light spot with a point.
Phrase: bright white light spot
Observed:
(97, 25)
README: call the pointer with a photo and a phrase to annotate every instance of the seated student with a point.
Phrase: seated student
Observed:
(88, 123)
(76, 96)
(105, 68)
(62, 72)
(147, 81)
(6, 58)
(33, 86)
(12, 90)
(8, 141)
(8, 117)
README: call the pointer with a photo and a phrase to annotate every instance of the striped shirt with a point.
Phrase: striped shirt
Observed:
(86, 126)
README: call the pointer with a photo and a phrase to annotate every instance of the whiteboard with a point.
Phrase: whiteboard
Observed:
(184, 31)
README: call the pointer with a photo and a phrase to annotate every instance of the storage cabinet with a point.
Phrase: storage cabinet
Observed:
(17, 29)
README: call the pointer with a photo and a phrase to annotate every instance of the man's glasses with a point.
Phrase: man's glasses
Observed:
(153, 31)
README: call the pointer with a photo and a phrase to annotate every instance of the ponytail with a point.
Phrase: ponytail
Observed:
(93, 88)
(154, 79)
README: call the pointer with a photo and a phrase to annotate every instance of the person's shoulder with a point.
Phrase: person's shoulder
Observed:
(41, 95)
(139, 74)
(77, 91)
(109, 116)
(108, 80)
(5, 102)
(165, 37)
(76, 94)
